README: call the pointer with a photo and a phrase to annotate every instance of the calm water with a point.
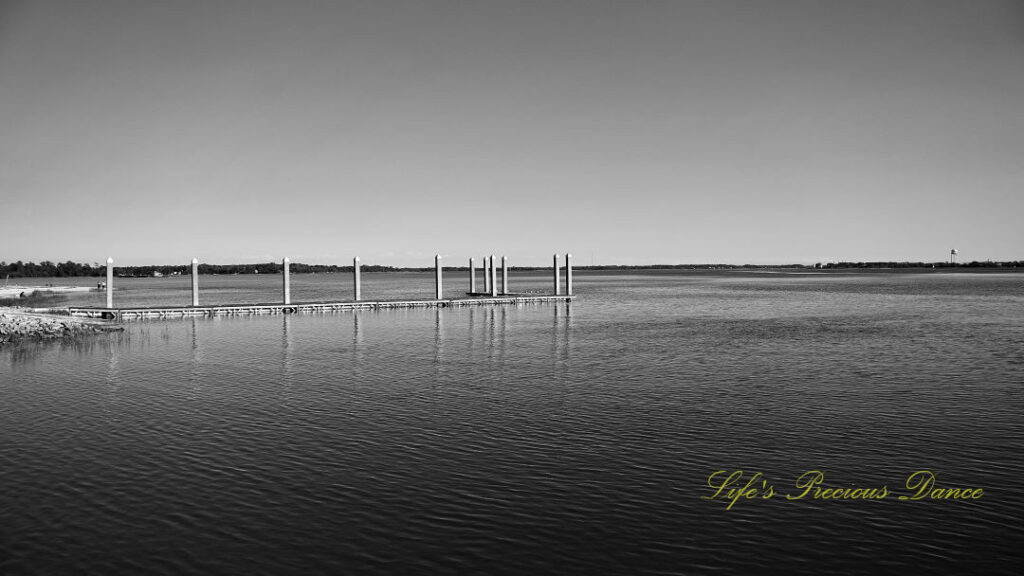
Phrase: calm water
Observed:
(550, 439)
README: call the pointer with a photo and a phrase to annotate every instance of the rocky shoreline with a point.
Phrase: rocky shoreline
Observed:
(18, 325)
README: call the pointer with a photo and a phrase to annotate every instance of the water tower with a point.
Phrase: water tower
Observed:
(952, 256)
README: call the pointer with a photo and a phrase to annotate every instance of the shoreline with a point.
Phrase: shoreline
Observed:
(17, 291)
(20, 324)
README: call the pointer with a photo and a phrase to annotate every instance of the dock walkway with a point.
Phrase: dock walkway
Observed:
(169, 312)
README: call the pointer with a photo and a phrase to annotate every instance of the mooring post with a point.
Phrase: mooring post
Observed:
(504, 275)
(568, 274)
(556, 274)
(437, 264)
(110, 282)
(487, 277)
(287, 286)
(355, 275)
(195, 282)
(494, 277)
(472, 276)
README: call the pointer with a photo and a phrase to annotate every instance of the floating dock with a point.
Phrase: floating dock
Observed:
(491, 296)
(169, 312)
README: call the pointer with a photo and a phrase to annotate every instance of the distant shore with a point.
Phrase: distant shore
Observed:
(13, 271)
(17, 291)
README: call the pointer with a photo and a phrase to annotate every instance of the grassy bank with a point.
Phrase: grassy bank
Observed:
(35, 299)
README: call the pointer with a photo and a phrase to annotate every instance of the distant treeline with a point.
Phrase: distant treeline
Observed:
(49, 269)
(67, 269)
(972, 264)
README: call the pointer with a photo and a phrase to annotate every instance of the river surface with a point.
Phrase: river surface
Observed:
(535, 439)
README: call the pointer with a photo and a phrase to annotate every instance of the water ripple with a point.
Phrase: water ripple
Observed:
(542, 439)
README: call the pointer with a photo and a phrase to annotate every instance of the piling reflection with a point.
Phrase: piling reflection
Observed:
(554, 334)
(357, 345)
(502, 330)
(287, 359)
(567, 332)
(561, 332)
(195, 374)
(438, 342)
(472, 331)
(113, 365)
(490, 334)
(357, 331)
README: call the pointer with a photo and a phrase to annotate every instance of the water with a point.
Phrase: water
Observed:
(552, 438)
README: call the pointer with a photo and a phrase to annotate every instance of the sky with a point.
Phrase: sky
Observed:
(623, 131)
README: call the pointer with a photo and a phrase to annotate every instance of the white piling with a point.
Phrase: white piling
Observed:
(568, 274)
(487, 277)
(195, 282)
(110, 282)
(472, 276)
(437, 264)
(286, 287)
(355, 276)
(494, 277)
(504, 274)
(556, 274)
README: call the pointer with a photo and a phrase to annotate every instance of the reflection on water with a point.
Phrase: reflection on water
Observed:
(472, 328)
(438, 342)
(358, 358)
(565, 438)
(286, 351)
(113, 365)
(561, 332)
(502, 327)
(491, 340)
(195, 376)
(31, 351)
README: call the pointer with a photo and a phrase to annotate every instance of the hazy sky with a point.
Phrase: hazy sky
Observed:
(629, 131)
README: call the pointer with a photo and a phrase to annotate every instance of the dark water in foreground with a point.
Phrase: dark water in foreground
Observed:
(548, 439)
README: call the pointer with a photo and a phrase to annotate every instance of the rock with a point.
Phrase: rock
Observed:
(20, 325)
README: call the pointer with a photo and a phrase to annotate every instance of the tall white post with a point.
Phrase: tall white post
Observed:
(504, 274)
(494, 277)
(487, 276)
(355, 276)
(287, 286)
(437, 264)
(568, 274)
(556, 274)
(110, 282)
(472, 276)
(195, 282)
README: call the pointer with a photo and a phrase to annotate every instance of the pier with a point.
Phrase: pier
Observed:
(490, 296)
(169, 312)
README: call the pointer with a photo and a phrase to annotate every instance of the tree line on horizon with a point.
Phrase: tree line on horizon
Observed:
(47, 269)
